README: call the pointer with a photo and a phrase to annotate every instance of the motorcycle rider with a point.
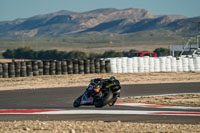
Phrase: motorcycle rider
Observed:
(98, 83)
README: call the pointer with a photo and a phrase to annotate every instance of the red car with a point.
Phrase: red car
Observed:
(140, 54)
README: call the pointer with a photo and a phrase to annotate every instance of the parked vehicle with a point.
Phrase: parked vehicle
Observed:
(141, 54)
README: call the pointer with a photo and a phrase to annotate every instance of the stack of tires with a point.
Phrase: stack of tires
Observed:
(179, 65)
(97, 66)
(135, 64)
(81, 66)
(185, 64)
(197, 63)
(173, 64)
(140, 64)
(124, 65)
(168, 64)
(130, 65)
(119, 65)
(157, 65)
(162, 64)
(146, 64)
(113, 65)
(151, 64)
(191, 65)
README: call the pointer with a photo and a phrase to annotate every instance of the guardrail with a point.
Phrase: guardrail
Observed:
(53, 67)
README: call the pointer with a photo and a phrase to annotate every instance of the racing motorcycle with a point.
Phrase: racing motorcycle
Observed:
(100, 92)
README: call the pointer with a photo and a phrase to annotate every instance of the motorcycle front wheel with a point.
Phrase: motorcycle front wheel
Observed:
(77, 102)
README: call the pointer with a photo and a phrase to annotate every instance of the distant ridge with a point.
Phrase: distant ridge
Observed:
(105, 20)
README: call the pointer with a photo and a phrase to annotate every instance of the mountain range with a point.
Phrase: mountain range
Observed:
(100, 21)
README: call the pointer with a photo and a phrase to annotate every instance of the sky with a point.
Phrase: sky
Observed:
(13, 9)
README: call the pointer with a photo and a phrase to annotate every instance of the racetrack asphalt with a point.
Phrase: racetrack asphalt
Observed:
(62, 98)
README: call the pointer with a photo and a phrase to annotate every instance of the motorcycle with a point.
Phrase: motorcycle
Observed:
(99, 93)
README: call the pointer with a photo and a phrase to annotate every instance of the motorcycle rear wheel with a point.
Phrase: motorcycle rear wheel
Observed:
(104, 100)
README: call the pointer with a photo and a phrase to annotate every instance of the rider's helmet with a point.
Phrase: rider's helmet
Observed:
(112, 78)
(95, 84)
(95, 81)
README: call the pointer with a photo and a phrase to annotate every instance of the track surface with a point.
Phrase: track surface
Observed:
(62, 98)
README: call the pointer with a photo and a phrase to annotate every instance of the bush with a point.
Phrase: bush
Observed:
(162, 51)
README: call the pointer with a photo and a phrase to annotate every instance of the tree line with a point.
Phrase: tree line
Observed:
(28, 53)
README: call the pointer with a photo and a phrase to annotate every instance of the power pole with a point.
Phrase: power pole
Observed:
(198, 34)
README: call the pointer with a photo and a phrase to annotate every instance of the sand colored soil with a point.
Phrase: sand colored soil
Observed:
(94, 127)
(191, 100)
(83, 79)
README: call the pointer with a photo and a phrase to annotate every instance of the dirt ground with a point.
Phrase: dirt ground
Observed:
(94, 127)
(83, 79)
(190, 100)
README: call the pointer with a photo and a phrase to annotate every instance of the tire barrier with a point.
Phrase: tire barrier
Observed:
(75, 66)
(29, 69)
(102, 66)
(151, 64)
(5, 70)
(1, 71)
(17, 69)
(87, 66)
(35, 68)
(23, 69)
(97, 66)
(58, 68)
(81, 66)
(11, 70)
(40, 68)
(64, 67)
(46, 68)
(108, 66)
(92, 66)
(53, 67)
(70, 67)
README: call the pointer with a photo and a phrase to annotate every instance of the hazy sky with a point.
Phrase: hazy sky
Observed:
(12, 9)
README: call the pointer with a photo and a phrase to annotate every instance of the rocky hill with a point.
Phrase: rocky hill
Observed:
(102, 21)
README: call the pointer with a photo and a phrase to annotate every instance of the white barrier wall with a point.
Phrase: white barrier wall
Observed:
(151, 64)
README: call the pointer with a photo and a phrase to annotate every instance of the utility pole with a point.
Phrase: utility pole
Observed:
(198, 34)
